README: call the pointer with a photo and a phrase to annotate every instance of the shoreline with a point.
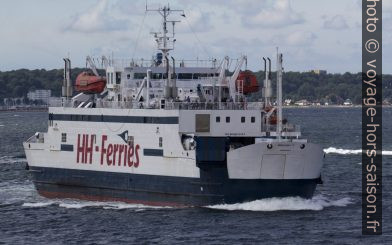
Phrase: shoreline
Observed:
(331, 106)
(25, 109)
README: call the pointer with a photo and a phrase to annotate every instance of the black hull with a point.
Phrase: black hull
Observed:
(213, 187)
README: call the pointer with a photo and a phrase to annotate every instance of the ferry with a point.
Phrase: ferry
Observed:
(171, 132)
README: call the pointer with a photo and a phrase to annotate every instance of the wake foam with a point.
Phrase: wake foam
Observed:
(317, 203)
(37, 204)
(76, 204)
(333, 150)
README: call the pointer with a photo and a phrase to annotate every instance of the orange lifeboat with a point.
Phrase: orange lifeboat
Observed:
(87, 82)
(247, 82)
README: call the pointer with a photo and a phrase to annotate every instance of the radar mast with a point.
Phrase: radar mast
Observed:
(165, 40)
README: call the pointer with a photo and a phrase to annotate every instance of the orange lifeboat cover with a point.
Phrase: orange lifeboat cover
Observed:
(89, 83)
(249, 80)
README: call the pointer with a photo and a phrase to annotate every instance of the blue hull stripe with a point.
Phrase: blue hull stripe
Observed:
(153, 152)
(113, 119)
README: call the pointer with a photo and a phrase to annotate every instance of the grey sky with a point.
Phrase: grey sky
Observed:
(312, 34)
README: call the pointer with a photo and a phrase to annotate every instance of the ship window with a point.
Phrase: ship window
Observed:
(242, 119)
(217, 119)
(139, 75)
(184, 75)
(63, 137)
(191, 90)
(160, 141)
(252, 119)
(128, 76)
(156, 75)
(227, 119)
(118, 77)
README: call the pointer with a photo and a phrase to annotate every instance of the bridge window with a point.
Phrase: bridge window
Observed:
(139, 75)
(156, 75)
(242, 119)
(184, 75)
(252, 119)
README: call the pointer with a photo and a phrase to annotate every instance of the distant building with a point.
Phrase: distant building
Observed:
(319, 72)
(347, 102)
(302, 103)
(40, 94)
(287, 102)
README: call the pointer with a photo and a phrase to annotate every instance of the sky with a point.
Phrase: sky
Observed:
(311, 34)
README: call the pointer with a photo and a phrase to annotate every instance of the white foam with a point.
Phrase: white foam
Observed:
(137, 207)
(78, 204)
(334, 150)
(37, 204)
(317, 203)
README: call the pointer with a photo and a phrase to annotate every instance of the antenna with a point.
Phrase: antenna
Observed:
(164, 41)
(279, 71)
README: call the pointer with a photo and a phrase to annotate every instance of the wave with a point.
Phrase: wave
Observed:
(77, 204)
(334, 150)
(12, 159)
(16, 192)
(317, 203)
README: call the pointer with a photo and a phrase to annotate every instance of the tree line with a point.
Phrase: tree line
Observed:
(333, 88)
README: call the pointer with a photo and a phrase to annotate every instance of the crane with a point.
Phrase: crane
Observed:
(234, 77)
(92, 66)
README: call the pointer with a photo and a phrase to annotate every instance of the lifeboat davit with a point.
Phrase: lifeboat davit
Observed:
(87, 82)
(248, 81)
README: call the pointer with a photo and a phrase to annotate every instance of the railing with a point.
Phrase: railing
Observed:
(214, 106)
(167, 105)
(36, 138)
(126, 62)
(288, 127)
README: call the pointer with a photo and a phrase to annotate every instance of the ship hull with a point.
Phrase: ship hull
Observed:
(145, 156)
(164, 190)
